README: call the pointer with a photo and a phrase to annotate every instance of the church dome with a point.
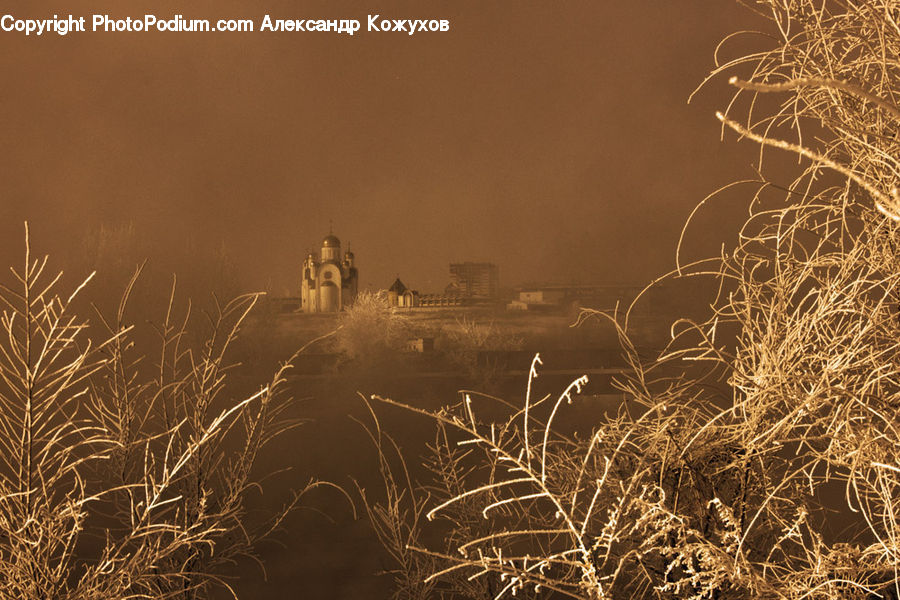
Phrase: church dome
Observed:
(331, 241)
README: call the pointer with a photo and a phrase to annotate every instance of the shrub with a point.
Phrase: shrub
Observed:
(466, 339)
(740, 445)
(123, 474)
(370, 332)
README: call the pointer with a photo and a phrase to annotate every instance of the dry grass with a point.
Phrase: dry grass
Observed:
(124, 474)
(759, 455)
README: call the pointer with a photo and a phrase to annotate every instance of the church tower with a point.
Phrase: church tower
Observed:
(329, 282)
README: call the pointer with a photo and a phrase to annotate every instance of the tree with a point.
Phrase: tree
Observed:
(370, 333)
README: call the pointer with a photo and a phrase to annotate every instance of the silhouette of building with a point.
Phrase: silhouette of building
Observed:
(330, 281)
(536, 296)
(401, 296)
(474, 279)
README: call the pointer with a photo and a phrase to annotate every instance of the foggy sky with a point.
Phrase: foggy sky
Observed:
(552, 138)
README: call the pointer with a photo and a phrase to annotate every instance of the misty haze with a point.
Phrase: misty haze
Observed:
(469, 300)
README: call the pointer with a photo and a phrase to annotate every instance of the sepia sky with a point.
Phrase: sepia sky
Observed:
(552, 138)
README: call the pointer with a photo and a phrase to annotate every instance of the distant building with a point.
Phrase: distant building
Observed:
(538, 298)
(442, 300)
(474, 280)
(542, 296)
(330, 281)
(421, 345)
(686, 297)
(548, 296)
(401, 296)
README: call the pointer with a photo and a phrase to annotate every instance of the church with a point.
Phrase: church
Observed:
(329, 281)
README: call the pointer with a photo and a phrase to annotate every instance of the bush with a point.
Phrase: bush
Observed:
(738, 448)
(370, 333)
(463, 342)
(123, 474)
